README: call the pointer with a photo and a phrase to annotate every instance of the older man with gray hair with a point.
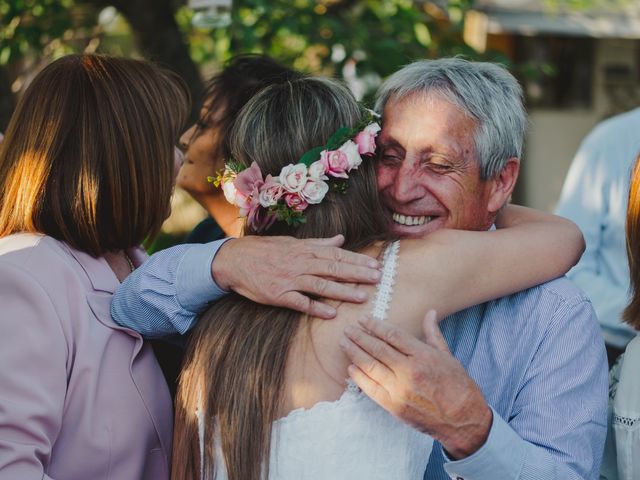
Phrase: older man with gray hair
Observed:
(515, 388)
(512, 389)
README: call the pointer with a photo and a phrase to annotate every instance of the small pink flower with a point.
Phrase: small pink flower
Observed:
(314, 191)
(271, 191)
(295, 202)
(335, 163)
(366, 139)
(293, 177)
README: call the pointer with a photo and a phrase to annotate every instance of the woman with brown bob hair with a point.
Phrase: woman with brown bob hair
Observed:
(86, 174)
(263, 391)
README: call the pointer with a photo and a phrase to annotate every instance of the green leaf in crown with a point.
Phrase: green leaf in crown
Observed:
(341, 136)
(311, 156)
(285, 214)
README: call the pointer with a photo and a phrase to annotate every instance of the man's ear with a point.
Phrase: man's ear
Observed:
(502, 185)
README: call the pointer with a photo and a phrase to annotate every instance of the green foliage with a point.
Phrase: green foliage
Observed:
(286, 214)
(358, 39)
(44, 27)
(610, 6)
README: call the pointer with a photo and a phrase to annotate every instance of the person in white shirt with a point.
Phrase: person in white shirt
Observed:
(594, 196)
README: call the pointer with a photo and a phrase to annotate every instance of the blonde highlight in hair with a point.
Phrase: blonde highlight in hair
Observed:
(88, 154)
(235, 366)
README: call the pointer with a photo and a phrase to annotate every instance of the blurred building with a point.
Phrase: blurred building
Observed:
(577, 66)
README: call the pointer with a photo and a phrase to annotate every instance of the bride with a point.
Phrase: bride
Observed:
(263, 392)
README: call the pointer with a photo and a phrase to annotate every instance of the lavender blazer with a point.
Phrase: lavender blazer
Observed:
(80, 397)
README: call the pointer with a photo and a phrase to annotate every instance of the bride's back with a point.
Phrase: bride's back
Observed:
(292, 391)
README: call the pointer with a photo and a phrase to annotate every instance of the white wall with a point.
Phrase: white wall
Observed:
(554, 135)
(552, 140)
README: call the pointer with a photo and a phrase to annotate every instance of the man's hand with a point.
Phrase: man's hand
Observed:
(282, 271)
(420, 383)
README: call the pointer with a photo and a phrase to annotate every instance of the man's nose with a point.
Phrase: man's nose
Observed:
(406, 185)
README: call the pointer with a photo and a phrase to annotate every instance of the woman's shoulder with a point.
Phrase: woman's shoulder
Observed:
(33, 252)
(43, 262)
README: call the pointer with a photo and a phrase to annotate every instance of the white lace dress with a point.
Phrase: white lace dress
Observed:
(351, 438)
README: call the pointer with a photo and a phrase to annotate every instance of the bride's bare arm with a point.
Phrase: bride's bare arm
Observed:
(450, 270)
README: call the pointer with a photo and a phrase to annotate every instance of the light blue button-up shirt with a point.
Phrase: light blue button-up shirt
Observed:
(594, 196)
(538, 357)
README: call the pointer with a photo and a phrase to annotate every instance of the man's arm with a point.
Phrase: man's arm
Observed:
(557, 425)
(165, 295)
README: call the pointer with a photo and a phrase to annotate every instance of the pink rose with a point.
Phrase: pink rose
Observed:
(295, 202)
(335, 163)
(270, 192)
(350, 150)
(366, 139)
(314, 191)
(293, 177)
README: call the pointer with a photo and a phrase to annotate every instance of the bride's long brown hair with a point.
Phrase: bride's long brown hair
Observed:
(235, 362)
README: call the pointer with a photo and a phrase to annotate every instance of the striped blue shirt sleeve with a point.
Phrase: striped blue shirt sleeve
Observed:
(556, 425)
(164, 296)
(505, 455)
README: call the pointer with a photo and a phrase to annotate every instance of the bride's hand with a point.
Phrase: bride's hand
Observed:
(285, 272)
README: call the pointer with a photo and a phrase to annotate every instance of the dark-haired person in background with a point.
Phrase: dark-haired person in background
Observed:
(206, 146)
(206, 143)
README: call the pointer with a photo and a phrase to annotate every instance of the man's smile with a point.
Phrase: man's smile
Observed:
(410, 219)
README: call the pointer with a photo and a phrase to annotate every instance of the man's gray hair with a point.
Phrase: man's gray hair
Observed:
(486, 92)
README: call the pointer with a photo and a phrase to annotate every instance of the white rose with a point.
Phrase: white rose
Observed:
(350, 149)
(293, 177)
(317, 170)
(314, 191)
(230, 191)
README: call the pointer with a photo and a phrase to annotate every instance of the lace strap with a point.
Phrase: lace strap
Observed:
(385, 287)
